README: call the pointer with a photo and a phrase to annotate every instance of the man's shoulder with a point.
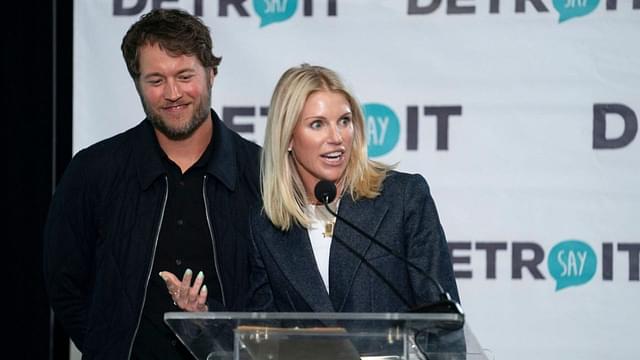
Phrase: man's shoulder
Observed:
(248, 146)
(246, 152)
(229, 136)
(242, 143)
(104, 156)
(111, 145)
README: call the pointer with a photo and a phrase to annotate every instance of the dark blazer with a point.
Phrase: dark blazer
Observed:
(285, 276)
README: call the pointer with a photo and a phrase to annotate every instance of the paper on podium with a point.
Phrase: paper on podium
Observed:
(274, 343)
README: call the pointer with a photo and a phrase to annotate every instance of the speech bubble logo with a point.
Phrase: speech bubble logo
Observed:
(382, 128)
(569, 9)
(272, 11)
(571, 263)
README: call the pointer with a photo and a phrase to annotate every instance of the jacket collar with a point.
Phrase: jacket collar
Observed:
(366, 214)
(293, 253)
(222, 160)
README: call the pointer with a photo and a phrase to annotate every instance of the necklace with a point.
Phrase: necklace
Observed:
(321, 219)
(328, 228)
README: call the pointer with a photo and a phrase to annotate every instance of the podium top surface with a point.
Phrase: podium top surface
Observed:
(433, 317)
(284, 336)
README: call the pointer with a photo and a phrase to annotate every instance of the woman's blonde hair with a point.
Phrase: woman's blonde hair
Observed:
(283, 192)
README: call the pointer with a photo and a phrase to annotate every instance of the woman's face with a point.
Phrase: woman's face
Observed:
(322, 139)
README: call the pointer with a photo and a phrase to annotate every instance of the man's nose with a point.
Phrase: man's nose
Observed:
(172, 91)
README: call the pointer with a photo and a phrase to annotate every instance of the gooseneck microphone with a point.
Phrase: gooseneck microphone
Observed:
(325, 192)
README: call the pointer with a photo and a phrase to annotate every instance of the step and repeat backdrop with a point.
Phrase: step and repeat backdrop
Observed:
(521, 114)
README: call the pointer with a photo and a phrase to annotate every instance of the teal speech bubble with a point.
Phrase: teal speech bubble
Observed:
(573, 8)
(272, 11)
(571, 263)
(382, 128)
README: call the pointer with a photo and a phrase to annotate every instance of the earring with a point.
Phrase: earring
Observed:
(289, 149)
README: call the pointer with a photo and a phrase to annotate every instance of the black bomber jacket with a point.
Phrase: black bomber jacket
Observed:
(103, 225)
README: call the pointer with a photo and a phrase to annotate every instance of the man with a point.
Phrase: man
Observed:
(166, 199)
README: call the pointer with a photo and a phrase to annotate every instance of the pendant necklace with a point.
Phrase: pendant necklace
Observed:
(328, 228)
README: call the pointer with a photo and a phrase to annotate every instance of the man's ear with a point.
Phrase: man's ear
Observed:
(211, 76)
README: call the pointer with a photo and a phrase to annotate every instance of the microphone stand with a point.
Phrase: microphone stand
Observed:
(444, 305)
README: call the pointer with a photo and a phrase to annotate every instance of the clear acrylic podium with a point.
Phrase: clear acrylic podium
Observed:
(316, 336)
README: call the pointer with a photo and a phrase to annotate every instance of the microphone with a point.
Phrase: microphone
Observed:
(325, 192)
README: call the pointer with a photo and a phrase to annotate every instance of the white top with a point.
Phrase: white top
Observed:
(320, 241)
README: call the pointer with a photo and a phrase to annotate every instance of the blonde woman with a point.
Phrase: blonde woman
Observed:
(305, 261)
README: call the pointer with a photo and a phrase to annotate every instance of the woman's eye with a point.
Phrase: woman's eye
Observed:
(316, 124)
(345, 121)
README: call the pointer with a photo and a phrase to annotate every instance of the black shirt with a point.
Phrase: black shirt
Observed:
(185, 242)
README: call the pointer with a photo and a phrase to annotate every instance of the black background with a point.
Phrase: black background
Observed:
(37, 102)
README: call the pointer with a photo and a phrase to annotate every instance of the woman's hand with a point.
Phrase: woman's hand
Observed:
(184, 295)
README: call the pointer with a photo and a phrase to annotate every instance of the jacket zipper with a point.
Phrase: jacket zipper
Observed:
(153, 255)
(213, 240)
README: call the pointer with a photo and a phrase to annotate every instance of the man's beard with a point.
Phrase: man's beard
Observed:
(199, 116)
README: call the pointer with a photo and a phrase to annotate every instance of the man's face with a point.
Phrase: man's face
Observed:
(175, 91)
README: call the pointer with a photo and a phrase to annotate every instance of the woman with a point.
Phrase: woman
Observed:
(305, 261)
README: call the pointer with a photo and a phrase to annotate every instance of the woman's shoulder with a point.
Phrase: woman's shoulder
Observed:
(400, 182)
(260, 222)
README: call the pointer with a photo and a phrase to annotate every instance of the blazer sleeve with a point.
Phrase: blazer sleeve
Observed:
(260, 292)
(67, 252)
(425, 242)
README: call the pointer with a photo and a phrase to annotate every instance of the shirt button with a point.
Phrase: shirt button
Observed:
(180, 222)
(178, 262)
(181, 183)
(173, 343)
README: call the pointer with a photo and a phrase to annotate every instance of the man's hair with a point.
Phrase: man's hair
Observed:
(175, 31)
(283, 193)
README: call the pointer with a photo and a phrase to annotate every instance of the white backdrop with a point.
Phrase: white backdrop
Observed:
(538, 156)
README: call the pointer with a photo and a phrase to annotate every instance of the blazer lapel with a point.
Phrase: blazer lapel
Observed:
(293, 253)
(366, 214)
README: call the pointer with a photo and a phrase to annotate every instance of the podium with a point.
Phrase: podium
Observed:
(320, 336)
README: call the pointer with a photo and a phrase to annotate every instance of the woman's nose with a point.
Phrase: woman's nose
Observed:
(336, 136)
